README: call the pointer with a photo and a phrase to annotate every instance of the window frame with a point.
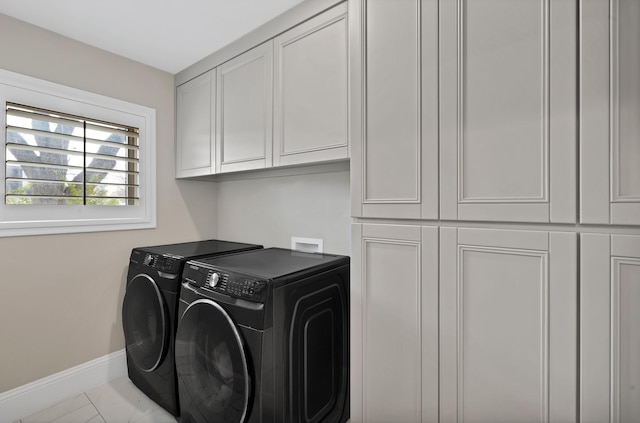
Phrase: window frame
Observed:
(19, 220)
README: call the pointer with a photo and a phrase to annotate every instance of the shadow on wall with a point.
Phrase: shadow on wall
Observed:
(199, 201)
(269, 211)
(117, 334)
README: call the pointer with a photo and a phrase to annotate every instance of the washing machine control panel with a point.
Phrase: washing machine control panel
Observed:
(234, 285)
(237, 285)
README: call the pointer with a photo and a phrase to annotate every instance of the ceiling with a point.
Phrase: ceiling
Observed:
(166, 34)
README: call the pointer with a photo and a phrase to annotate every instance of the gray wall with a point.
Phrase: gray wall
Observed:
(61, 295)
(271, 210)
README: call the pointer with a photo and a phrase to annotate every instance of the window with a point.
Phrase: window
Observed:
(74, 161)
(53, 158)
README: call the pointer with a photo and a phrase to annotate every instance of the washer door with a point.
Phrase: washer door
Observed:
(144, 319)
(211, 363)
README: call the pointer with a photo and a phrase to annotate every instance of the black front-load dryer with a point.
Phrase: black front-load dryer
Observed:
(149, 313)
(264, 337)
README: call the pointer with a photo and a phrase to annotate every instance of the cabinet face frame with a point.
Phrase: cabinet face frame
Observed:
(603, 134)
(413, 294)
(334, 19)
(261, 54)
(602, 309)
(394, 142)
(466, 194)
(195, 99)
(555, 303)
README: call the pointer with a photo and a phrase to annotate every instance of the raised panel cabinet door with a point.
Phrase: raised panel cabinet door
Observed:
(195, 126)
(244, 116)
(508, 110)
(508, 326)
(610, 328)
(394, 108)
(394, 324)
(310, 90)
(610, 112)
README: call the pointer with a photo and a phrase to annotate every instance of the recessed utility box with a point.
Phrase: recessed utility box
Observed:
(307, 245)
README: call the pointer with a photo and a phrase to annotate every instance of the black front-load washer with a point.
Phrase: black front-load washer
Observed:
(149, 313)
(264, 337)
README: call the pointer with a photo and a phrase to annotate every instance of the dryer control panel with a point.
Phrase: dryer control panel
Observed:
(162, 263)
(232, 284)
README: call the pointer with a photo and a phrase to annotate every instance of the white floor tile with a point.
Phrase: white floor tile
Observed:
(82, 415)
(117, 402)
(158, 416)
(97, 419)
(120, 401)
(61, 409)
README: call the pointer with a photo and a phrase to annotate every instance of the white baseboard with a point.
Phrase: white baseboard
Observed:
(35, 396)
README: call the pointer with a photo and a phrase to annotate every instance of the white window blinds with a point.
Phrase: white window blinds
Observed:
(60, 159)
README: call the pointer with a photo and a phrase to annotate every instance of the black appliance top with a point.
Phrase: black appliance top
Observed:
(187, 250)
(273, 263)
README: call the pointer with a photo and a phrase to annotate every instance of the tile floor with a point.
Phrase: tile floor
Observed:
(115, 402)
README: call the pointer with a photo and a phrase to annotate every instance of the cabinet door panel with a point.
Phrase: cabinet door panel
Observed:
(610, 329)
(504, 67)
(392, 131)
(195, 123)
(610, 124)
(625, 86)
(394, 307)
(508, 326)
(391, 321)
(311, 94)
(626, 148)
(394, 158)
(244, 118)
(511, 125)
(626, 334)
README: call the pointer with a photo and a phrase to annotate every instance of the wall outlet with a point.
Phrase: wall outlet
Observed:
(307, 245)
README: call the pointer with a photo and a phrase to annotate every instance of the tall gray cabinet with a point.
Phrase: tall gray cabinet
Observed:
(495, 175)
(610, 199)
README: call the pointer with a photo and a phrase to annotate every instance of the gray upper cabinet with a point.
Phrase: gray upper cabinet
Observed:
(394, 108)
(244, 110)
(508, 110)
(311, 95)
(283, 102)
(610, 112)
(195, 123)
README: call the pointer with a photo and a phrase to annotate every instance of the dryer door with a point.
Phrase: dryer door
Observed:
(213, 378)
(144, 320)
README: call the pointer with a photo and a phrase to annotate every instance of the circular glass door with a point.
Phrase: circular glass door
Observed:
(211, 364)
(145, 323)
